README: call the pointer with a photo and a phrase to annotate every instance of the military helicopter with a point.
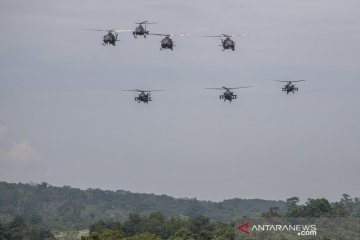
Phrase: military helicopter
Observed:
(167, 42)
(111, 37)
(144, 95)
(228, 94)
(226, 41)
(141, 30)
(290, 87)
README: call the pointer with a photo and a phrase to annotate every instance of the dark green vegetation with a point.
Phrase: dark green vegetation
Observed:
(65, 208)
(332, 222)
(156, 226)
(122, 215)
(315, 208)
(18, 229)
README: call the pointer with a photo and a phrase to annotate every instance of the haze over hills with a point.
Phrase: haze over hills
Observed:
(66, 207)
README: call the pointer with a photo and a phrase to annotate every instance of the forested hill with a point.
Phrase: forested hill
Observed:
(66, 207)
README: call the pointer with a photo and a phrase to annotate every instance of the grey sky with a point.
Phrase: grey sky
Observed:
(65, 120)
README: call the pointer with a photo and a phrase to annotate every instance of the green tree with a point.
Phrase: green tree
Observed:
(132, 225)
(183, 234)
(16, 228)
(198, 224)
(272, 212)
(2, 232)
(317, 208)
(37, 233)
(338, 210)
(111, 235)
(144, 236)
(292, 207)
(223, 232)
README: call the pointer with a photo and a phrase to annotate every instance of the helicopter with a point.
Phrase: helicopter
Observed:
(228, 94)
(144, 95)
(167, 42)
(226, 41)
(141, 30)
(290, 87)
(111, 37)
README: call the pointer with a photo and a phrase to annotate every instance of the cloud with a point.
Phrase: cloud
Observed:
(17, 152)
(22, 152)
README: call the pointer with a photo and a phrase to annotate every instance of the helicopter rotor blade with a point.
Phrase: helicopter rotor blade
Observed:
(281, 81)
(235, 35)
(108, 30)
(227, 88)
(169, 34)
(160, 34)
(177, 34)
(157, 90)
(131, 90)
(146, 22)
(139, 90)
(98, 30)
(150, 23)
(236, 87)
(290, 81)
(227, 35)
(215, 88)
(122, 30)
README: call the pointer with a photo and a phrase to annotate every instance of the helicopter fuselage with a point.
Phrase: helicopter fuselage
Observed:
(110, 38)
(228, 95)
(289, 88)
(143, 97)
(227, 43)
(140, 30)
(167, 43)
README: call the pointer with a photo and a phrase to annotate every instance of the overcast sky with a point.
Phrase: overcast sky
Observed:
(64, 119)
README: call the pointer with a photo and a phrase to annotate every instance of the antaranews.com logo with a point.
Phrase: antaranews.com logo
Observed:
(299, 229)
(345, 228)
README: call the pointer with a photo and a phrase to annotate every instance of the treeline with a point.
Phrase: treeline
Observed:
(315, 208)
(67, 208)
(156, 226)
(19, 229)
(159, 225)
